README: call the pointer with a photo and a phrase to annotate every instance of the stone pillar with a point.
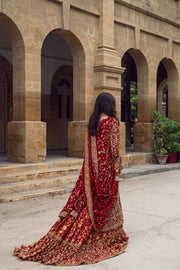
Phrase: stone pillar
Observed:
(142, 137)
(146, 104)
(26, 141)
(106, 34)
(107, 65)
(108, 70)
(26, 133)
(76, 138)
(108, 79)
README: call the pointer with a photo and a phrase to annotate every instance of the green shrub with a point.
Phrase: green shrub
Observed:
(166, 134)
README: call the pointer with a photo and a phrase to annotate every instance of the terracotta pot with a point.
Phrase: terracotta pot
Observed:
(162, 159)
(178, 157)
(172, 158)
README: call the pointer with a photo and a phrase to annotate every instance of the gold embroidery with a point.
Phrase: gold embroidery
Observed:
(87, 183)
(63, 214)
(94, 154)
(74, 214)
(74, 238)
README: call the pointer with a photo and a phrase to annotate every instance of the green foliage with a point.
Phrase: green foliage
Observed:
(10, 108)
(133, 100)
(163, 151)
(173, 147)
(166, 134)
(177, 136)
(160, 133)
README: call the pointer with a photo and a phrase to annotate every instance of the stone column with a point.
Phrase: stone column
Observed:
(107, 66)
(143, 129)
(76, 138)
(26, 133)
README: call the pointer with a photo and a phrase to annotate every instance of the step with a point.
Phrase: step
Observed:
(16, 167)
(38, 184)
(11, 177)
(33, 194)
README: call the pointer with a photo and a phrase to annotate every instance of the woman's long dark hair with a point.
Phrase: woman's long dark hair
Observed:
(105, 103)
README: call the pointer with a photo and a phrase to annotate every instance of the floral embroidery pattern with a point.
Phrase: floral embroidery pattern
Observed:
(90, 226)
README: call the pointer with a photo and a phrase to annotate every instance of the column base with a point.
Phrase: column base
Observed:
(76, 138)
(26, 141)
(142, 137)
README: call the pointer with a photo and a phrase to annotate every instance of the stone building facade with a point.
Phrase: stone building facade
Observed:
(56, 56)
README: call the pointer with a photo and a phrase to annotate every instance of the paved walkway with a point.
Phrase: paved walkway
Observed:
(151, 206)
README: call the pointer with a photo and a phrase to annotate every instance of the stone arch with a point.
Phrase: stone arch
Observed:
(76, 70)
(78, 55)
(129, 78)
(145, 103)
(18, 55)
(173, 89)
(142, 84)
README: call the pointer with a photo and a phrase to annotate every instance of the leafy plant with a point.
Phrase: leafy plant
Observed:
(133, 99)
(173, 147)
(163, 151)
(166, 134)
(160, 133)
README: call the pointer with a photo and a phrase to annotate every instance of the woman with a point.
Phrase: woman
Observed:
(90, 226)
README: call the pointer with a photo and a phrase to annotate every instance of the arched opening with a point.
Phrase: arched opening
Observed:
(12, 66)
(63, 87)
(162, 97)
(135, 84)
(61, 111)
(6, 100)
(167, 88)
(162, 90)
(129, 97)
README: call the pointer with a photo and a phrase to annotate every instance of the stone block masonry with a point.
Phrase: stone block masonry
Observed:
(26, 141)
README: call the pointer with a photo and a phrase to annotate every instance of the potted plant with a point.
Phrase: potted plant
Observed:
(173, 148)
(166, 137)
(172, 142)
(158, 137)
(162, 156)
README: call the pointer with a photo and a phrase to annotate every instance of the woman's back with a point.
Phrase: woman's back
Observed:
(107, 145)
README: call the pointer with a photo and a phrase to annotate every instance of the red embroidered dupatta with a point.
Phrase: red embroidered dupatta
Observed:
(101, 195)
(89, 228)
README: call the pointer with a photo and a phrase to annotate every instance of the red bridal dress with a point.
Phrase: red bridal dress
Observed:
(90, 226)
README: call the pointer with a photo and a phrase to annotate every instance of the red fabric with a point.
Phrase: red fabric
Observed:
(89, 228)
(104, 186)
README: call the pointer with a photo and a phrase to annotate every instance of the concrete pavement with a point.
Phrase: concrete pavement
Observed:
(151, 207)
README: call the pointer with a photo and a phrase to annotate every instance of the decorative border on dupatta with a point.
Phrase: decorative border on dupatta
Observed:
(115, 216)
(87, 182)
(94, 154)
(101, 239)
(72, 213)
